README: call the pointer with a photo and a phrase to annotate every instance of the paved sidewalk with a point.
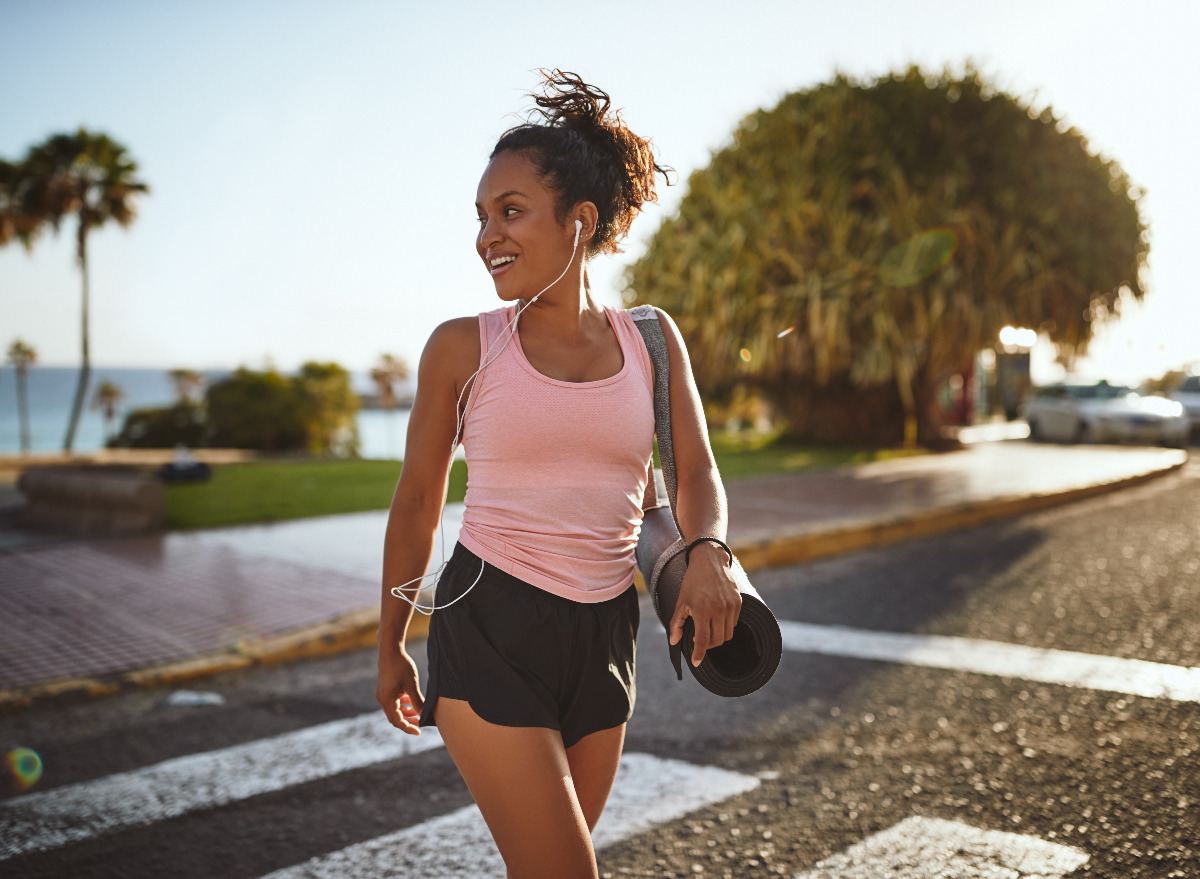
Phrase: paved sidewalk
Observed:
(99, 608)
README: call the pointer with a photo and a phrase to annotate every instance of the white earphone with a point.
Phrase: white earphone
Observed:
(461, 415)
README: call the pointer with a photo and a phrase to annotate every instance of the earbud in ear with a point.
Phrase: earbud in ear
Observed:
(578, 230)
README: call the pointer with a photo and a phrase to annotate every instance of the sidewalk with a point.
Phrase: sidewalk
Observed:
(97, 615)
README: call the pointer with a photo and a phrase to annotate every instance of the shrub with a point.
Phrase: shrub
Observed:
(163, 428)
(255, 410)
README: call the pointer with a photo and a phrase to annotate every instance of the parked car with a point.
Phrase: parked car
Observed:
(1188, 396)
(1104, 413)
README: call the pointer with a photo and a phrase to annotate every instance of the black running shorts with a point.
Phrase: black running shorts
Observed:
(524, 657)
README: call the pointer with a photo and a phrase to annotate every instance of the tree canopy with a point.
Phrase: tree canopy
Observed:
(896, 224)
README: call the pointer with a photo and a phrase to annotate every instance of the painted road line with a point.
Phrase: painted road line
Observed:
(648, 791)
(931, 848)
(1085, 670)
(41, 821)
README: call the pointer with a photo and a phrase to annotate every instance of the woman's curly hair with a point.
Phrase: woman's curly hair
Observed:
(583, 151)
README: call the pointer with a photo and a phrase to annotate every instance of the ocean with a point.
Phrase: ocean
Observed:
(52, 390)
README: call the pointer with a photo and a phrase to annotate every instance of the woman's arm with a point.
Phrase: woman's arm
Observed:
(709, 594)
(449, 358)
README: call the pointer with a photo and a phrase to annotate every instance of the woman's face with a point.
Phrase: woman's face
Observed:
(521, 241)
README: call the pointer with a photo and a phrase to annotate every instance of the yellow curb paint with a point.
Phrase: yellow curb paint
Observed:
(352, 631)
(360, 629)
(794, 549)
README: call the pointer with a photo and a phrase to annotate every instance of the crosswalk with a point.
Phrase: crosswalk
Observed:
(933, 848)
(72, 813)
(649, 790)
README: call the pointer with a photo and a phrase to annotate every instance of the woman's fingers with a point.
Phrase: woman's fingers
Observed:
(675, 630)
(731, 619)
(396, 716)
(702, 641)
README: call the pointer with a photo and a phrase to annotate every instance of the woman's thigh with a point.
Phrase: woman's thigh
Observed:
(520, 777)
(593, 761)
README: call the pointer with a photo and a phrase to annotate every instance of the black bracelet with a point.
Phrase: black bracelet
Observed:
(721, 543)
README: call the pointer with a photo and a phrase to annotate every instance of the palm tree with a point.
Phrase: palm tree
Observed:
(22, 356)
(86, 174)
(107, 398)
(389, 371)
(187, 382)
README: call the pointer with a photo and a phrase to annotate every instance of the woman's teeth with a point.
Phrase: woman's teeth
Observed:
(501, 260)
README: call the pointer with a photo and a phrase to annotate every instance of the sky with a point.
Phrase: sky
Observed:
(313, 165)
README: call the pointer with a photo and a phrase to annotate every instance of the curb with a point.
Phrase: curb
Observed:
(359, 629)
(351, 631)
(777, 551)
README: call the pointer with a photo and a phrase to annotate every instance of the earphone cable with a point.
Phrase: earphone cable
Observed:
(460, 414)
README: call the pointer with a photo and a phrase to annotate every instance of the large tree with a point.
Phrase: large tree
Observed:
(897, 224)
(86, 175)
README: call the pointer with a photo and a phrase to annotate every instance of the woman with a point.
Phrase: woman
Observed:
(531, 668)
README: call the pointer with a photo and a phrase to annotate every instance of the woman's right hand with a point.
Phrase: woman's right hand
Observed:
(398, 690)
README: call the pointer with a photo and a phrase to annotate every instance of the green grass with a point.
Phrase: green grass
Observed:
(267, 491)
(750, 455)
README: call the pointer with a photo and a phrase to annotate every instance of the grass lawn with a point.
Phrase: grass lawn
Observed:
(265, 491)
(754, 456)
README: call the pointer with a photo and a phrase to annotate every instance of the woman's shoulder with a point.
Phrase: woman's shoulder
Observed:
(453, 347)
(454, 332)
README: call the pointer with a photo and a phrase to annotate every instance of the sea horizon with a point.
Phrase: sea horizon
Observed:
(51, 391)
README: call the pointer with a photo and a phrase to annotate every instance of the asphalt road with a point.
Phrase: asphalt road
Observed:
(835, 749)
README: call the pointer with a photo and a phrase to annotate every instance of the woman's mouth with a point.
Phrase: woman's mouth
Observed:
(499, 264)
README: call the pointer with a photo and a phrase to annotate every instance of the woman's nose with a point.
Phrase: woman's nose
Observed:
(489, 234)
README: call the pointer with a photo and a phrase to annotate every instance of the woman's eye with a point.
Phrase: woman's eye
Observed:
(508, 211)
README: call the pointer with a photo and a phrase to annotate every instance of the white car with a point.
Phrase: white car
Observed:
(1188, 396)
(1104, 413)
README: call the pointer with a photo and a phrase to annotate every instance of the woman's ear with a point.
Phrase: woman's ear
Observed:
(586, 213)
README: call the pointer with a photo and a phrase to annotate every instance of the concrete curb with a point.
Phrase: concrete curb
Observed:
(359, 629)
(351, 631)
(780, 550)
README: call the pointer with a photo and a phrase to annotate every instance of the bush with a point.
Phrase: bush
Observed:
(327, 405)
(312, 411)
(255, 410)
(162, 428)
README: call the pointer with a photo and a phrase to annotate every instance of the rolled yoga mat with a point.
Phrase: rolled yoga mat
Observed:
(739, 666)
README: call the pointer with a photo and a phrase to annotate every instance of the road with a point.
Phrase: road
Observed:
(1037, 721)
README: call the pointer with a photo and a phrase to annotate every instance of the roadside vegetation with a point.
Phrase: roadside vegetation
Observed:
(267, 491)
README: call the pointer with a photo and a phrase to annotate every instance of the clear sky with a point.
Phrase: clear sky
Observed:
(314, 165)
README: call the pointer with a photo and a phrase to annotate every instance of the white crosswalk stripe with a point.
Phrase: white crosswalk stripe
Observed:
(1135, 677)
(648, 791)
(932, 848)
(40, 821)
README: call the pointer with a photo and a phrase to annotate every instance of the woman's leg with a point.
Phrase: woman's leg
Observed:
(521, 779)
(593, 761)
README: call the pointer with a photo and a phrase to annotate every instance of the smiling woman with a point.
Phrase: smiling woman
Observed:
(531, 645)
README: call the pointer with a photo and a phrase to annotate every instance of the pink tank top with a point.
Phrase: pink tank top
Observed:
(557, 470)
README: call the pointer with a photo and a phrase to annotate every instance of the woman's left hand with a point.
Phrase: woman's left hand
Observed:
(710, 597)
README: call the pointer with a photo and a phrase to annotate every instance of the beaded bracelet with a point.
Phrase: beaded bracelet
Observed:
(721, 543)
